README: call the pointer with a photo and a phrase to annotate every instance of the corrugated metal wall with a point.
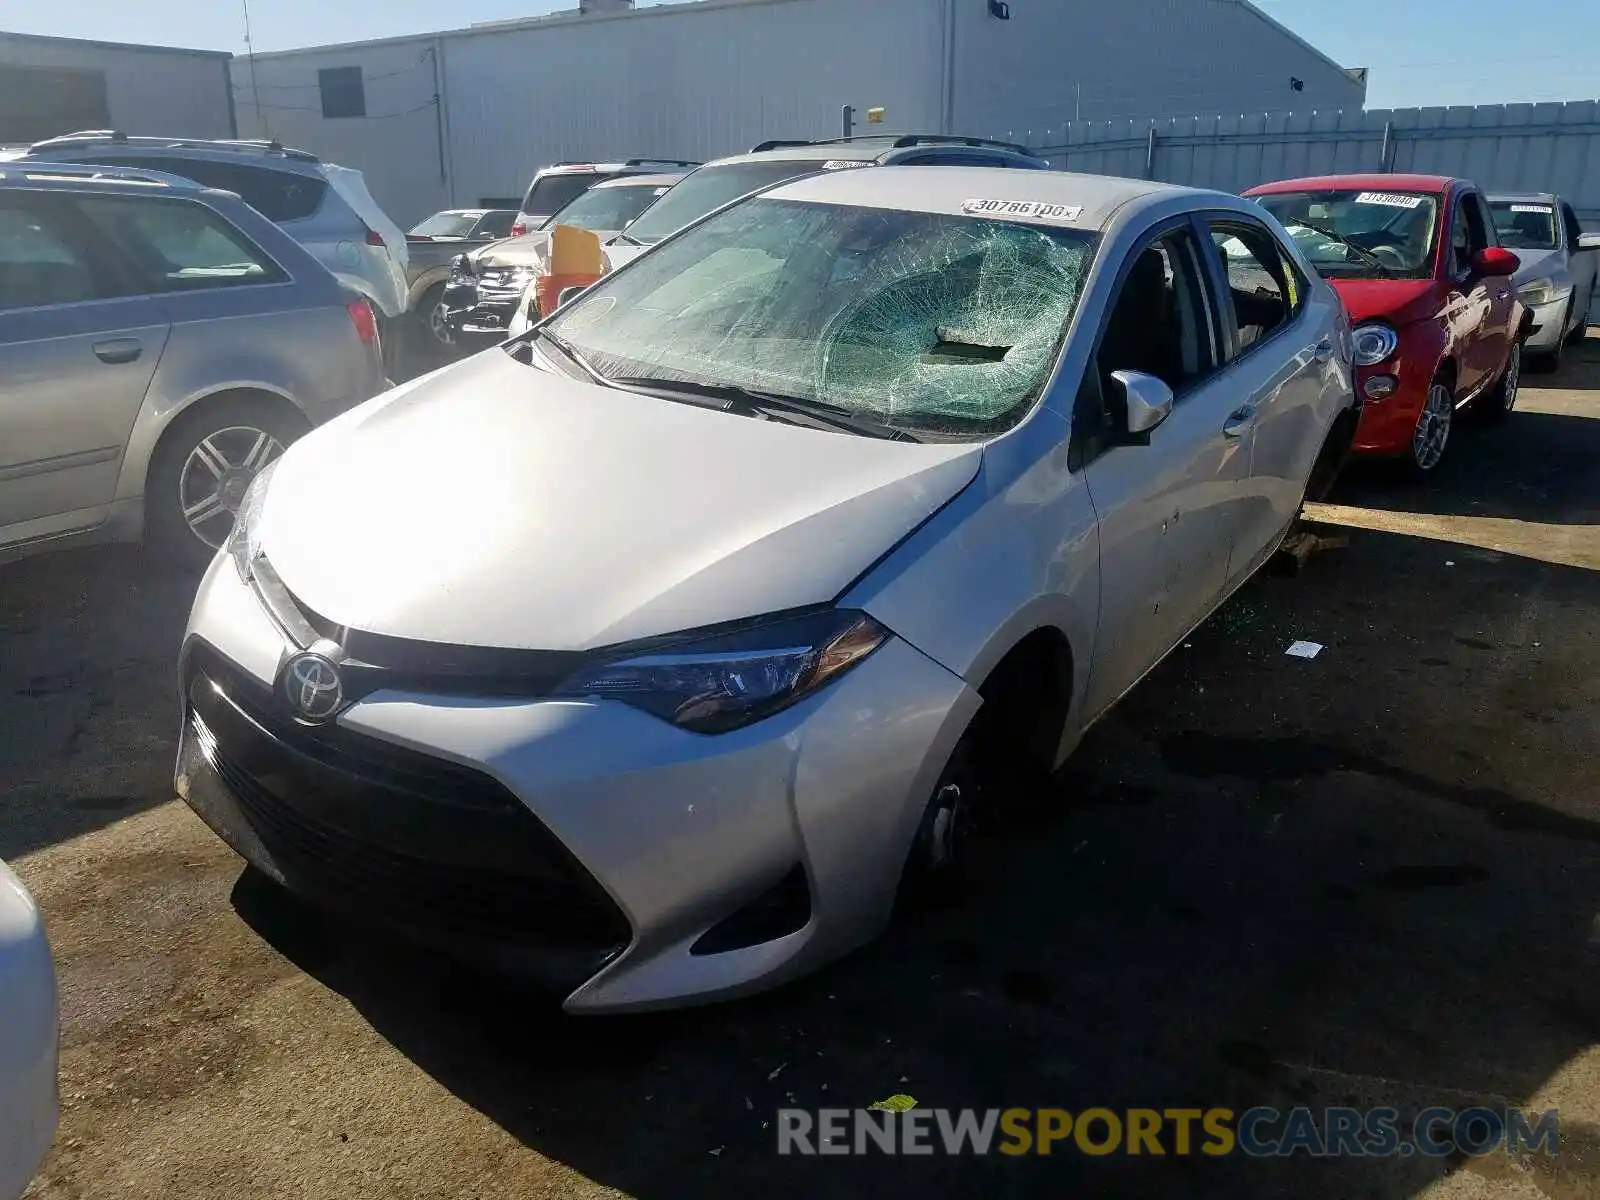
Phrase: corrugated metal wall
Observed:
(149, 89)
(396, 145)
(693, 82)
(1026, 78)
(1504, 147)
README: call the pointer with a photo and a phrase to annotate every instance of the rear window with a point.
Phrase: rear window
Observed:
(277, 195)
(550, 193)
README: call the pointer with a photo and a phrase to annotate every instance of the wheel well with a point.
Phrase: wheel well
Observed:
(1027, 698)
(204, 405)
(1447, 370)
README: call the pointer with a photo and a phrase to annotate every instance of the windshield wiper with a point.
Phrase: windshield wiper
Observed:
(576, 355)
(627, 237)
(755, 402)
(1382, 267)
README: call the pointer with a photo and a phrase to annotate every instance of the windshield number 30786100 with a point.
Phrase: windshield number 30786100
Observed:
(1039, 210)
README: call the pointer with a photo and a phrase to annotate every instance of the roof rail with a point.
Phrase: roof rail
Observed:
(117, 137)
(779, 144)
(90, 171)
(934, 139)
(661, 162)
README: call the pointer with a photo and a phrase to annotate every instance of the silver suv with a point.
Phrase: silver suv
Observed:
(324, 207)
(556, 186)
(159, 344)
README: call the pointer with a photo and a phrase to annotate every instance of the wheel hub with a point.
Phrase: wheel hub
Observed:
(946, 819)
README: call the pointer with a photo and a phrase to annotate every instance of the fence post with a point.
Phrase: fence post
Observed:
(1150, 154)
(1386, 154)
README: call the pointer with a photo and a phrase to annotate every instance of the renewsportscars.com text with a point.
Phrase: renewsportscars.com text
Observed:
(1215, 1132)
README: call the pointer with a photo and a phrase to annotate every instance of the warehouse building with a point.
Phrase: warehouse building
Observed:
(465, 117)
(50, 86)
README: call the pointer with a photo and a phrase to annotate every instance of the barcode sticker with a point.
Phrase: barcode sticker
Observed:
(1039, 210)
(1392, 199)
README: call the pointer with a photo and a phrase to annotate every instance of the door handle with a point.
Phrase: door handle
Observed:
(1238, 422)
(118, 350)
(1323, 350)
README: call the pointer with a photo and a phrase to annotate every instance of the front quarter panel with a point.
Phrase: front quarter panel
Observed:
(1015, 552)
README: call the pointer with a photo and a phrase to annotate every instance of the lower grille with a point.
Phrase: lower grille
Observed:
(391, 834)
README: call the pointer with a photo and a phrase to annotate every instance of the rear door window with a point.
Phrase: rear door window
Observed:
(178, 245)
(551, 193)
(1263, 288)
(278, 196)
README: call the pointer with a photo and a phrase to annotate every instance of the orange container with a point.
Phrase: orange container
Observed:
(547, 289)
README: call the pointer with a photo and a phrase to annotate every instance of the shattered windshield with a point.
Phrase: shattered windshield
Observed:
(940, 324)
(1356, 232)
(1521, 226)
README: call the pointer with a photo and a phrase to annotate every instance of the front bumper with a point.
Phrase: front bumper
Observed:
(1547, 322)
(29, 1101)
(1387, 425)
(596, 845)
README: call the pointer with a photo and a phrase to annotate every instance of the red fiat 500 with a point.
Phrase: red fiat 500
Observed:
(1427, 285)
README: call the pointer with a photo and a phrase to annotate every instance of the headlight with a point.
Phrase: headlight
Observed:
(1537, 291)
(244, 541)
(720, 683)
(461, 267)
(1371, 344)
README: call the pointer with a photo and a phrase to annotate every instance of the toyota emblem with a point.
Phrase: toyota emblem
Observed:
(313, 686)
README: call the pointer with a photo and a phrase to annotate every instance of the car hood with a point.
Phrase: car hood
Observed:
(498, 504)
(1541, 264)
(620, 254)
(1398, 301)
(529, 250)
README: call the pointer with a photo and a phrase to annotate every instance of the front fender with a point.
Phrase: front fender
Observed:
(432, 277)
(1018, 550)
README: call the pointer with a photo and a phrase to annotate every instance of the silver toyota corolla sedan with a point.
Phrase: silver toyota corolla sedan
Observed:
(648, 654)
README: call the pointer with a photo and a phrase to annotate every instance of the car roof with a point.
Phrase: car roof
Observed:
(948, 189)
(633, 166)
(867, 148)
(1525, 197)
(627, 181)
(1436, 184)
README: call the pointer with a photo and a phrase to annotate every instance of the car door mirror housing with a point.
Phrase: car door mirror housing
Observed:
(1147, 402)
(1495, 260)
(1589, 241)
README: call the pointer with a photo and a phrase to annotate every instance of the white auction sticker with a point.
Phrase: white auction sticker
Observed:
(1039, 210)
(1392, 199)
(843, 164)
(1542, 209)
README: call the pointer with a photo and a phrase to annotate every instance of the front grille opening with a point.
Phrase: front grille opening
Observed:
(782, 909)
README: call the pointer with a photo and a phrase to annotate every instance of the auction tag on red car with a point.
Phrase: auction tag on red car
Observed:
(1392, 199)
(1542, 209)
(1039, 210)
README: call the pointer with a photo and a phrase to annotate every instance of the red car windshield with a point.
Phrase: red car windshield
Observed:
(1356, 233)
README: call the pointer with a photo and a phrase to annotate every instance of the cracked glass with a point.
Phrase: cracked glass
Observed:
(931, 322)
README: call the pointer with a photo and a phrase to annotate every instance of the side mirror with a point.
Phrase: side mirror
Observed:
(1589, 241)
(1495, 261)
(1148, 401)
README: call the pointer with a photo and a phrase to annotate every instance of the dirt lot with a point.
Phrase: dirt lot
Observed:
(1371, 878)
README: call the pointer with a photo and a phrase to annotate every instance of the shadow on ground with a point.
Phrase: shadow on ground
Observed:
(1365, 879)
(91, 644)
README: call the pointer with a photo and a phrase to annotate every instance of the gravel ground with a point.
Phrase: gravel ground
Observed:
(1368, 878)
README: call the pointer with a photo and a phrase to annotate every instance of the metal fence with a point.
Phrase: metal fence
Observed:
(1503, 147)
